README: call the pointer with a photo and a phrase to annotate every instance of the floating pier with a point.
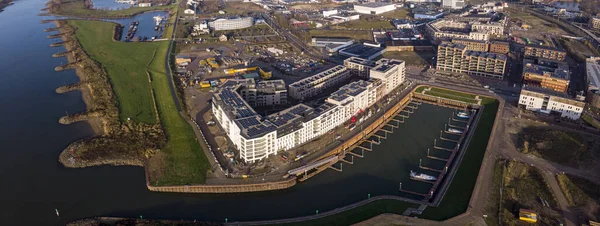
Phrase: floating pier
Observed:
(447, 139)
(411, 192)
(434, 157)
(343, 159)
(442, 148)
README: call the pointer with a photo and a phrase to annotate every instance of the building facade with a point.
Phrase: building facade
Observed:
(499, 47)
(595, 22)
(454, 4)
(235, 23)
(547, 74)
(375, 8)
(549, 102)
(490, 28)
(455, 58)
(475, 45)
(592, 66)
(390, 71)
(545, 52)
(257, 137)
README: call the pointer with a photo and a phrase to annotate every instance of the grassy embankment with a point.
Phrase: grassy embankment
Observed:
(493, 200)
(578, 191)
(79, 8)
(589, 120)
(459, 193)
(550, 144)
(134, 70)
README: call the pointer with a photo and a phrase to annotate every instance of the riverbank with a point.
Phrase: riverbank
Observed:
(114, 142)
(84, 9)
(4, 4)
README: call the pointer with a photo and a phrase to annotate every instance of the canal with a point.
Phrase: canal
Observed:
(34, 184)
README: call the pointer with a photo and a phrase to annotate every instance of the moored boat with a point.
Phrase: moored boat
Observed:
(421, 176)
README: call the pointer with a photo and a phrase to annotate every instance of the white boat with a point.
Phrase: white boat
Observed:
(158, 19)
(421, 176)
(463, 115)
(455, 131)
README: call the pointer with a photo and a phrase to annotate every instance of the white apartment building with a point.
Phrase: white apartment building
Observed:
(359, 67)
(390, 71)
(231, 23)
(443, 28)
(490, 28)
(375, 8)
(313, 85)
(550, 102)
(258, 137)
(454, 4)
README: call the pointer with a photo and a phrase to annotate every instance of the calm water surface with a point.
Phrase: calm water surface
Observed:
(34, 183)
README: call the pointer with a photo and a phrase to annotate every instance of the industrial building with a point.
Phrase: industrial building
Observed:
(257, 137)
(375, 8)
(592, 66)
(550, 102)
(545, 52)
(368, 52)
(232, 23)
(456, 58)
(547, 74)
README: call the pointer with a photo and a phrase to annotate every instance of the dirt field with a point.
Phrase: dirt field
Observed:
(540, 29)
(411, 58)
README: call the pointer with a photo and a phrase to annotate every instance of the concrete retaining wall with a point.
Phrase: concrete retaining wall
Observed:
(229, 188)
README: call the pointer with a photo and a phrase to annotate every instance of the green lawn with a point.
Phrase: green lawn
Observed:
(401, 13)
(77, 8)
(364, 24)
(459, 193)
(127, 64)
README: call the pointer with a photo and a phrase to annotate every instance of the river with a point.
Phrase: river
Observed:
(34, 184)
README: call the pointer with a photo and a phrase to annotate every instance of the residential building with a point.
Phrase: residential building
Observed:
(359, 67)
(328, 13)
(550, 102)
(547, 74)
(499, 47)
(257, 137)
(404, 34)
(264, 93)
(314, 85)
(595, 22)
(454, 4)
(545, 52)
(390, 71)
(493, 28)
(375, 8)
(455, 58)
(402, 23)
(475, 45)
(444, 29)
(592, 66)
(232, 23)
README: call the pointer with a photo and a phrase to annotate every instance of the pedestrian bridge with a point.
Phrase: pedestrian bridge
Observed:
(310, 166)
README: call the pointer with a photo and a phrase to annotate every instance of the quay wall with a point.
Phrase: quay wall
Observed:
(226, 188)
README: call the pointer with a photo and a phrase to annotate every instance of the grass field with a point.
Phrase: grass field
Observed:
(125, 64)
(360, 213)
(411, 58)
(589, 120)
(77, 8)
(401, 13)
(550, 144)
(181, 160)
(459, 193)
(364, 24)
(365, 35)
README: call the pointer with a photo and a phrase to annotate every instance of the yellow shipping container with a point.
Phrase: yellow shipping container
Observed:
(527, 216)
(205, 84)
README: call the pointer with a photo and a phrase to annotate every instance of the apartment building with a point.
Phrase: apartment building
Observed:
(264, 93)
(313, 85)
(390, 71)
(595, 22)
(475, 45)
(550, 102)
(451, 29)
(545, 52)
(359, 67)
(258, 137)
(456, 58)
(493, 28)
(547, 74)
(499, 47)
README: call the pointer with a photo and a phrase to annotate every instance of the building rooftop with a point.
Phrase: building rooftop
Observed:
(408, 43)
(375, 4)
(385, 64)
(452, 45)
(545, 67)
(318, 76)
(550, 92)
(362, 51)
(485, 55)
(593, 74)
(362, 61)
(348, 90)
(332, 39)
